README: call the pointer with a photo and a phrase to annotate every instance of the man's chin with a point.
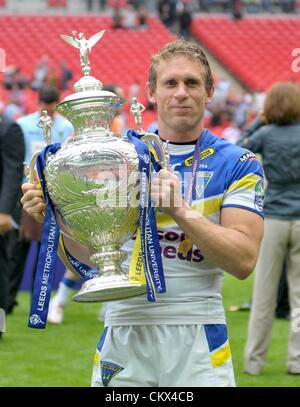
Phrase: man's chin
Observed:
(182, 124)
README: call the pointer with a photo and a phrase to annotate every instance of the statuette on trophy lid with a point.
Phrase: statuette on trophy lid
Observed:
(137, 109)
(85, 46)
(154, 143)
(45, 122)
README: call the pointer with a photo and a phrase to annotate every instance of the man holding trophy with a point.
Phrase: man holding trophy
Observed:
(209, 221)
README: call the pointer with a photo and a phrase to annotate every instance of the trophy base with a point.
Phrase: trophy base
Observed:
(108, 288)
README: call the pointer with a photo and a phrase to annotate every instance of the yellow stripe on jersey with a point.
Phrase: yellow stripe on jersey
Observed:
(164, 220)
(206, 207)
(211, 205)
(221, 355)
(247, 182)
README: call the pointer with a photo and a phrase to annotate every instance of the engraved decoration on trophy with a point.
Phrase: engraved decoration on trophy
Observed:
(93, 181)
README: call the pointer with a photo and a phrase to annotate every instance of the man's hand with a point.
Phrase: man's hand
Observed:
(5, 223)
(33, 201)
(166, 192)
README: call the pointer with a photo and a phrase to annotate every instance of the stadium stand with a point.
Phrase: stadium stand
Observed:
(122, 56)
(57, 3)
(258, 51)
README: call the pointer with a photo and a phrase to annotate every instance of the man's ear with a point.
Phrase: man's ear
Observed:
(150, 94)
(210, 95)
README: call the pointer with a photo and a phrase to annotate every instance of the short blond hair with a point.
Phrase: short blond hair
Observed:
(181, 47)
(282, 104)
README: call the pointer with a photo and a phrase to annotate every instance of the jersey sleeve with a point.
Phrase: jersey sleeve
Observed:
(245, 183)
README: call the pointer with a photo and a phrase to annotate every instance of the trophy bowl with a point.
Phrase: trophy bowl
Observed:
(93, 182)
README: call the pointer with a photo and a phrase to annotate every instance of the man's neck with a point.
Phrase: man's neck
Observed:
(183, 138)
(174, 136)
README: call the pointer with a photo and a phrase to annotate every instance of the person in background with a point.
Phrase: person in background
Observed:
(278, 142)
(12, 152)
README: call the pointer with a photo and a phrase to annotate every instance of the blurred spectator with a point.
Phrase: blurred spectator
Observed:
(222, 87)
(236, 9)
(11, 174)
(9, 77)
(53, 78)
(231, 133)
(259, 100)
(66, 75)
(134, 90)
(129, 17)
(89, 5)
(243, 110)
(167, 12)
(267, 6)
(278, 141)
(142, 17)
(184, 16)
(288, 6)
(102, 4)
(14, 108)
(14, 79)
(119, 123)
(117, 18)
(40, 73)
(218, 115)
(204, 5)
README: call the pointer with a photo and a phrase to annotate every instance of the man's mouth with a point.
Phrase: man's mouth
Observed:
(179, 107)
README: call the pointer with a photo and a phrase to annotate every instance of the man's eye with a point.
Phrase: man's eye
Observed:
(171, 83)
(192, 82)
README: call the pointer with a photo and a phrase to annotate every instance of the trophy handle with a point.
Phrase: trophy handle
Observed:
(32, 170)
(158, 149)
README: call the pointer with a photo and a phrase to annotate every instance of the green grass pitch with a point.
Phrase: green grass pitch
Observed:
(63, 355)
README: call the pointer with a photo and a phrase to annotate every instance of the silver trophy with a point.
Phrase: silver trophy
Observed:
(93, 180)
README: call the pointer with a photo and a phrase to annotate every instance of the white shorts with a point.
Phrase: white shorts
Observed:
(163, 356)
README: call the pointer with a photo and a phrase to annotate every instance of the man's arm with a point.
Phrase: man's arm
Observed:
(233, 245)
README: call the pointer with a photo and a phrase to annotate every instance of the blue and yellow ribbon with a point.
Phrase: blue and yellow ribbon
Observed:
(147, 242)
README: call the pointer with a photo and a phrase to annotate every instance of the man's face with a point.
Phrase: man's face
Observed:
(180, 94)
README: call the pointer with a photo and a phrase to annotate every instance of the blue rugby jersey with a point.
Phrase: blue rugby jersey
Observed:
(227, 176)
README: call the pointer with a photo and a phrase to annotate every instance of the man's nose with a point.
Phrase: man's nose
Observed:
(181, 92)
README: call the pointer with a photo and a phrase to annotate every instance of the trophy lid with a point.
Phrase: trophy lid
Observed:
(87, 87)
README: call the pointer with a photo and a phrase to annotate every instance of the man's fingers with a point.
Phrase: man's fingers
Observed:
(164, 173)
(27, 186)
(36, 211)
(39, 218)
(32, 195)
(32, 209)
